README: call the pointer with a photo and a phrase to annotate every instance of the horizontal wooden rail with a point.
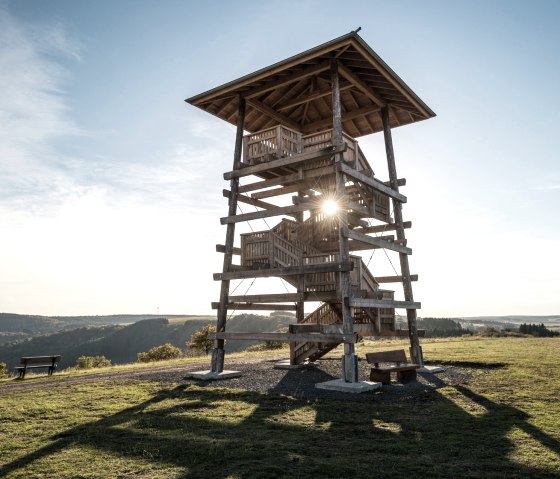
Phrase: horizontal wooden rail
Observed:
(383, 228)
(382, 303)
(372, 182)
(256, 306)
(287, 179)
(220, 248)
(287, 337)
(278, 211)
(285, 297)
(377, 242)
(288, 161)
(288, 271)
(394, 279)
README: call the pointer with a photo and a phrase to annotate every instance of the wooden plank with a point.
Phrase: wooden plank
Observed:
(285, 297)
(288, 161)
(291, 78)
(284, 190)
(287, 179)
(360, 85)
(287, 271)
(400, 182)
(383, 228)
(394, 279)
(307, 97)
(288, 337)
(378, 242)
(220, 248)
(382, 303)
(372, 182)
(250, 201)
(277, 211)
(275, 115)
(351, 115)
(257, 307)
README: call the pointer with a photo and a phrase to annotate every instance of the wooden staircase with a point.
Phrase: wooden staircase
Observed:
(281, 247)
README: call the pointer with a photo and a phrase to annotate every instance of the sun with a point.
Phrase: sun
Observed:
(329, 207)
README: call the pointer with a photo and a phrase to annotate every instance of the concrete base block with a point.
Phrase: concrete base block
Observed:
(430, 369)
(342, 386)
(212, 376)
(285, 364)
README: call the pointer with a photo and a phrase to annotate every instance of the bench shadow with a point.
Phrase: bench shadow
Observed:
(285, 437)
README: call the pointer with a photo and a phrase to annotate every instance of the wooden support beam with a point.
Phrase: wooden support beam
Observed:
(250, 201)
(284, 190)
(257, 307)
(288, 337)
(292, 78)
(288, 161)
(220, 248)
(377, 242)
(400, 182)
(277, 211)
(360, 85)
(383, 228)
(307, 97)
(287, 179)
(394, 279)
(351, 115)
(382, 303)
(372, 182)
(271, 113)
(285, 297)
(287, 271)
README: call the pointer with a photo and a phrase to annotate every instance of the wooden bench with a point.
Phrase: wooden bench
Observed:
(33, 362)
(395, 361)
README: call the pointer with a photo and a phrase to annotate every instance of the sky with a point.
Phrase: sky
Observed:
(110, 184)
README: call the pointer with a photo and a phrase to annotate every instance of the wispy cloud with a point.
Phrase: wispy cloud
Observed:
(33, 110)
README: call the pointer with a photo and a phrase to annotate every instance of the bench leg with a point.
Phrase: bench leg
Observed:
(406, 376)
(378, 376)
(22, 373)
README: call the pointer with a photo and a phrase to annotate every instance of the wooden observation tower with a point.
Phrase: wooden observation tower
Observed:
(296, 159)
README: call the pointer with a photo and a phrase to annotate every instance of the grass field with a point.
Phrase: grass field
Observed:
(504, 422)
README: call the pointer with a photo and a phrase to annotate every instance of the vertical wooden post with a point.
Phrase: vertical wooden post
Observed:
(349, 360)
(218, 352)
(415, 350)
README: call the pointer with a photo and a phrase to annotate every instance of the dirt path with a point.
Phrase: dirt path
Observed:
(163, 373)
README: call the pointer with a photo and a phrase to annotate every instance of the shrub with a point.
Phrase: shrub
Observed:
(88, 362)
(3, 370)
(160, 353)
(201, 341)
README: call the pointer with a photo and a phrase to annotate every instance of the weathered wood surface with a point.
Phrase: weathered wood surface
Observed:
(288, 161)
(394, 279)
(288, 337)
(285, 297)
(382, 303)
(291, 270)
(247, 306)
(372, 182)
(378, 242)
(220, 248)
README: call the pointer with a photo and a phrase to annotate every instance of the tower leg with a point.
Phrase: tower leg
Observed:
(217, 363)
(415, 350)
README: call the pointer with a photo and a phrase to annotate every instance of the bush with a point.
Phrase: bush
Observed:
(160, 353)
(201, 341)
(3, 370)
(88, 362)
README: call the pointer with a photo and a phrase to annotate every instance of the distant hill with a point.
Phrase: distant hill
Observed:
(121, 343)
(20, 326)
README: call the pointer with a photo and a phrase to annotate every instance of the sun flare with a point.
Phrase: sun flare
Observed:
(330, 207)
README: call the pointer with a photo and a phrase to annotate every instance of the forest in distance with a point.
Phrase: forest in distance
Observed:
(121, 337)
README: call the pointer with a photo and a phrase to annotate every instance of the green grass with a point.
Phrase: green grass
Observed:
(505, 422)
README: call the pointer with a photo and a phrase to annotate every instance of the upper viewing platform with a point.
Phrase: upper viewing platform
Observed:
(297, 92)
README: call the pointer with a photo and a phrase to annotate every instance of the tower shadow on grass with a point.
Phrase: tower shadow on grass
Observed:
(206, 432)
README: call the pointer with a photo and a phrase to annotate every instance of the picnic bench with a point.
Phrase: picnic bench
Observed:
(386, 362)
(34, 362)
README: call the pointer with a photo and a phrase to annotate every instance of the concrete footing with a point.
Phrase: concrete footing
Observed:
(342, 386)
(285, 364)
(430, 369)
(212, 376)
